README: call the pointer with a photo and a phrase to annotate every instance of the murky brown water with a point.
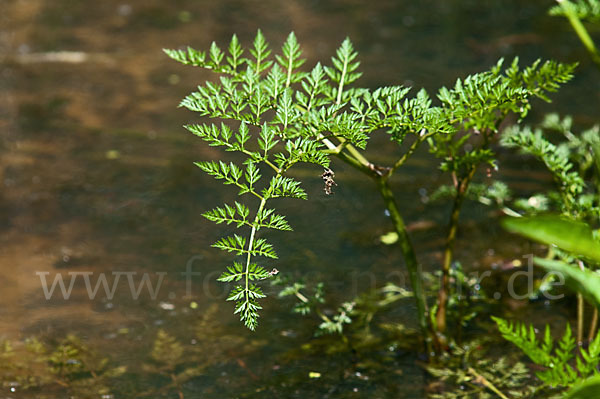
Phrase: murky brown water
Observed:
(97, 176)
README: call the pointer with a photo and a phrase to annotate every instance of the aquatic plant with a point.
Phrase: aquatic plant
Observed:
(168, 361)
(555, 359)
(575, 159)
(574, 247)
(70, 367)
(281, 115)
(471, 371)
(574, 163)
(578, 239)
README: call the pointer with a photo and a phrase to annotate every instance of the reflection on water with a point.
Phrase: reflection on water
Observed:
(97, 177)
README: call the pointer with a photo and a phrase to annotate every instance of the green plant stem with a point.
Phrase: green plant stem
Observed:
(444, 292)
(413, 266)
(408, 252)
(593, 325)
(580, 312)
(413, 147)
(462, 187)
(580, 30)
(596, 154)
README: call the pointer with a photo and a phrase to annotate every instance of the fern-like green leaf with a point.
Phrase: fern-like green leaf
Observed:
(290, 61)
(233, 243)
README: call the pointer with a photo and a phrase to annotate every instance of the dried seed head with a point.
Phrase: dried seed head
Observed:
(328, 176)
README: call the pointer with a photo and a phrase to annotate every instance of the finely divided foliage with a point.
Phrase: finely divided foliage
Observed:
(281, 115)
(568, 162)
(557, 362)
(585, 9)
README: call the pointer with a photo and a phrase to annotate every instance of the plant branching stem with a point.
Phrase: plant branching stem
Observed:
(357, 155)
(408, 252)
(410, 258)
(444, 292)
(462, 187)
(580, 312)
(413, 147)
(593, 325)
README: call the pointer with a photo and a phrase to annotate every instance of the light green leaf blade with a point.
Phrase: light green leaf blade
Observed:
(587, 390)
(572, 236)
(583, 281)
